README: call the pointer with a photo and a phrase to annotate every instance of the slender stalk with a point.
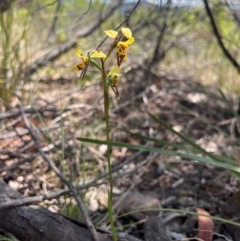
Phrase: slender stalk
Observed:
(110, 50)
(106, 112)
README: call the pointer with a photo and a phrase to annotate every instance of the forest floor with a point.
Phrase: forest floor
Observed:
(141, 179)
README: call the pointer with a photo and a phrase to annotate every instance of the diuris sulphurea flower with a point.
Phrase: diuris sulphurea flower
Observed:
(122, 46)
(122, 41)
(85, 60)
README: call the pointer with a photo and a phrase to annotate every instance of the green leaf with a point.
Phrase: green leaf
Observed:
(192, 143)
(92, 61)
(166, 152)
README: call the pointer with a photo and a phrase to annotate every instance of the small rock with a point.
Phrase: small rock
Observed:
(103, 149)
(14, 185)
(102, 199)
(93, 205)
(20, 179)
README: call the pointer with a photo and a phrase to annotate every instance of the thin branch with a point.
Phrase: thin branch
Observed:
(129, 15)
(59, 174)
(161, 35)
(235, 12)
(121, 24)
(21, 162)
(13, 113)
(87, 11)
(53, 28)
(56, 194)
(219, 37)
(63, 48)
(47, 5)
(31, 200)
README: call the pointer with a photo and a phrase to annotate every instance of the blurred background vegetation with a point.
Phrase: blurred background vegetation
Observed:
(175, 37)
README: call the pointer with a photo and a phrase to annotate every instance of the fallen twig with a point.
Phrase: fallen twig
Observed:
(59, 174)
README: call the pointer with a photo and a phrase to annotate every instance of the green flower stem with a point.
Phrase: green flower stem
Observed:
(106, 112)
(110, 50)
(92, 61)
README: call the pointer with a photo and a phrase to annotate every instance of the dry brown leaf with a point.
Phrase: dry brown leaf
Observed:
(205, 225)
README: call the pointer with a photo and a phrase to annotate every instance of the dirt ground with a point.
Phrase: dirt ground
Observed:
(141, 179)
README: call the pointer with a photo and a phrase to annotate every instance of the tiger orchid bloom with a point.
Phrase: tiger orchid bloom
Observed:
(122, 46)
(86, 59)
(83, 62)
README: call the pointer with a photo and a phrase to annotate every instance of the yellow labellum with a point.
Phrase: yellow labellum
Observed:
(111, 33)
(126, 43)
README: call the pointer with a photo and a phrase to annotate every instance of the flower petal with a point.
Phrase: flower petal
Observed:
(79, 52)
(111, 33)
(126, 32)
(122, 43)
(126, 43)
(130, 40)
(115, 71)
(97, 54)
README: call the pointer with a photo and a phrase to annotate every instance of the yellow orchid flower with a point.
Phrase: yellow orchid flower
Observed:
(84, 60)
(122, 46)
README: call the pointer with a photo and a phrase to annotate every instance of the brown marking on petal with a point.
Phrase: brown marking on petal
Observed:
(80, 66)
(114, 82)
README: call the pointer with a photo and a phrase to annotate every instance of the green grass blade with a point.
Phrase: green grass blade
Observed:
(229, 105)
(204, 160)
(192, 143)
(161, 142)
